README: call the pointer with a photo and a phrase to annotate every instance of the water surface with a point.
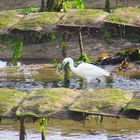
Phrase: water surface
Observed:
(109, 129)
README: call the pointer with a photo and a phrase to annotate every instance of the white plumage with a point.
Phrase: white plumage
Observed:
(85, 70)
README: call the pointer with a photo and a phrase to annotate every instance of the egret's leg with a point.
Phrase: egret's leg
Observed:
(102, 82)
(99, 81)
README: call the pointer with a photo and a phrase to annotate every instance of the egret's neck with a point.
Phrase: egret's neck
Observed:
(72, 66)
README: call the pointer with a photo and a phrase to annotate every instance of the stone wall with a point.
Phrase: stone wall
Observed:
(93, 47)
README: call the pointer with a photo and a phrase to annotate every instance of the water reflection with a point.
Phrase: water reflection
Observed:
(110, 129)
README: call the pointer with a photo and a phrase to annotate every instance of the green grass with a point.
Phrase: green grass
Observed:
(28, 10)
(126, 15)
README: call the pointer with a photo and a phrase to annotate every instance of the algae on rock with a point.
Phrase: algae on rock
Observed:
(47, 102)
(85, 17)
(8, 19)
(41, 21)
(125, 15)
(9, 101)
(107, 102)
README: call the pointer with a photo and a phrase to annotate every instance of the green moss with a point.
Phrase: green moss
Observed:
(38, 21)
(9, 100)
(126, 15)
(83, 17)
(104, 101)
(8, 19)
(45, 102)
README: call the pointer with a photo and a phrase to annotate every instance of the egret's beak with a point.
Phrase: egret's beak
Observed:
(62, 66)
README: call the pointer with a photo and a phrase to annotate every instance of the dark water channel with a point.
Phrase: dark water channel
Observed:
(41, 74)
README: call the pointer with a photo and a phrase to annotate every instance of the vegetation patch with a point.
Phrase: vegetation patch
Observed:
(125, 15)
(85, 17)
(41, 21)
(8, 19)
(102, 101)
(28, 10)
(9, 101)
(47, 102)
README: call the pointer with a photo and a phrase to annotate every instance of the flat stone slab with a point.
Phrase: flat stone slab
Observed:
(47, 21)
(61, 102)
(8, 19)
(47, 102)
(126, 16)
(83, 18)
(107, 102)
(9, 101)
(41, 21)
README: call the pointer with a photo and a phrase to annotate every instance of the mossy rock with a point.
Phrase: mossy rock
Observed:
(8, 19)
(47, 102)
(126, 15)
(9, 101)
(107, 102)
(132, 110)
(41, 21)
(85, 17)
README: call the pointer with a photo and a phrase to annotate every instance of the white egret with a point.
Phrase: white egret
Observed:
(85, 70)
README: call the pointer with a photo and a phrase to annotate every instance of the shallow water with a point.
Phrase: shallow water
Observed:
(31, 76)
(109, 129)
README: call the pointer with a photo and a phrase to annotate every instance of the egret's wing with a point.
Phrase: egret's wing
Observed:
(92, 70)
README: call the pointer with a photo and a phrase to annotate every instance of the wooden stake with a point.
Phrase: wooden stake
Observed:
(80, 42)
(22, 130)
(42, 136)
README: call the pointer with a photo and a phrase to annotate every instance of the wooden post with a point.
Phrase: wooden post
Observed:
(107, 6)
(43, 137)
(80, 42)
(42, 8)
(22, 130)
